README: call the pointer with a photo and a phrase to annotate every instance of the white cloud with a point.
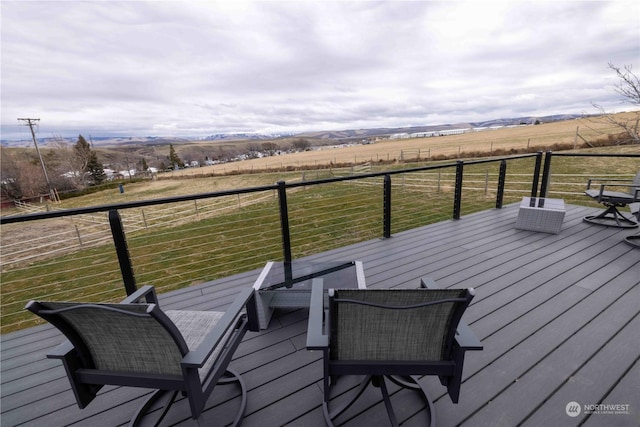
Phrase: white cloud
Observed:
(195, 68)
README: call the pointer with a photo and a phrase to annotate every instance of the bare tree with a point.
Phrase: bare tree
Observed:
(300, 144)
(21, 176)
(67, 163)
(253, 150)
(628, 87)
(270, 148)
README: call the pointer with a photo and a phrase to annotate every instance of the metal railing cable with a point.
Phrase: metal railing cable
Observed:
(177, 241)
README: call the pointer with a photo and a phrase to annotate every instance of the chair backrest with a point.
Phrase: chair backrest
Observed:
(635, 189)
(134, 338)
(395, 324)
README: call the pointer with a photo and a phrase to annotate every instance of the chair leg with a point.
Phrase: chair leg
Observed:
(233, 377)
(230, 377)
(410, 382)
(425, 395)
(612, 217)
(330, 415)
(155, 397)
(406, 382)
(633, 241)
(387, 402)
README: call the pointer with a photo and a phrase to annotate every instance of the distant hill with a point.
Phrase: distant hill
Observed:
(348, 134)
(380, 132)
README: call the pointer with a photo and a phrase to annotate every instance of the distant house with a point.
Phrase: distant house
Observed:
(109, 173)
(453, 131)
(429, 134)
(72, 174)
(399, 136)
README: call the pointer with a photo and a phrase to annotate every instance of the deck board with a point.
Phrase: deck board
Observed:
(557, 314)
(627, 387)
(604, 368)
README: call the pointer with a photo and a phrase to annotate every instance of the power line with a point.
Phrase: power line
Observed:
(31, 123)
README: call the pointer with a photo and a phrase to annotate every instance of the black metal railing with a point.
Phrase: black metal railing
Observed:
(282, 188)
(173, 242)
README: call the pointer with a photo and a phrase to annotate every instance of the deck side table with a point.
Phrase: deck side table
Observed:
(288, 284)
(541, 214)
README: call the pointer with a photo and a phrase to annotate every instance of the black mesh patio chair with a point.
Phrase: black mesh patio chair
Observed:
(395, 335)
(138, 345)
(614, 194)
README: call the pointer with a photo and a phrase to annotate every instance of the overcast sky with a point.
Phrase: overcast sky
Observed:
(198, 68)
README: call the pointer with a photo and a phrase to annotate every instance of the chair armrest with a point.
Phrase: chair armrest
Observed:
(196, 358)
(466, 339)
(428, 283)
(593, 180)
(634, 194)
(147, 291)
(316, 338)
(67, 354)
(61, 351)
(590, 180)
(611, 182)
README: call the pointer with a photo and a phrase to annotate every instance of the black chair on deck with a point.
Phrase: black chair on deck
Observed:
(614, 194)
(138, 345)
(390, 334)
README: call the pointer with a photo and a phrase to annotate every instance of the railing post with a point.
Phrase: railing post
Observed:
(536, 174)
(501, 180)
(284, 221)
(386, 232)
(122, 251)
(457, 200)
(546, 173)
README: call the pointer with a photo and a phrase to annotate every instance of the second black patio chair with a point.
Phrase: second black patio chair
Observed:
(614, 194)
(390, 334)
(138, 345)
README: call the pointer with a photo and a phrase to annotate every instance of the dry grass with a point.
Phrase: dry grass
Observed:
(540, 137)
(156, 189)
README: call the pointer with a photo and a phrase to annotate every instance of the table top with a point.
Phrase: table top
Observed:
(297, 275)
(542, 203)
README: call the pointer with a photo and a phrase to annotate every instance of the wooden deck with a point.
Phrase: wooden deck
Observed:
(558, 316)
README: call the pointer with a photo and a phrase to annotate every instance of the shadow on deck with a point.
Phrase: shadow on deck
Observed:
(558, 316)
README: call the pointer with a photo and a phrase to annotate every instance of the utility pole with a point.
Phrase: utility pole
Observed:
(31, 123)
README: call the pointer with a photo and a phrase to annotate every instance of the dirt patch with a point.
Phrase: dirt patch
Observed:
(20, 242)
